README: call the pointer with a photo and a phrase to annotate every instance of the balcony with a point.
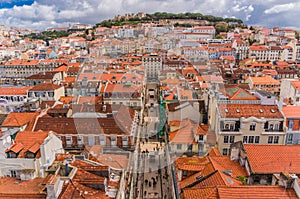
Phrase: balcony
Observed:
(230, 130)
(274, 130)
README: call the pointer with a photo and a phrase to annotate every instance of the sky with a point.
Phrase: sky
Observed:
(42, 14)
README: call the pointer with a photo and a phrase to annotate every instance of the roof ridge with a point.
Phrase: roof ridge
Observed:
(198, 181)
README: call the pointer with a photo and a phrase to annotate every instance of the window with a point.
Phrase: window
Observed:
(291, 124)
(91, 140)
(276, 127)
(276, 139)
(113, 141)
(270, 139)
(251, 139)
(13, 174)
(102, 140)
(79, 140)
(185, 173)
(257, 139)
(231, 140)
(231, 127)
(68, 140)
(245, 138)
(201, 138)
(226, 139)
(179, 146)
(289, 138)
(271, 128)
(225, 151)
(252, 127)
(190, 148)
(226, 126)
(124, 141)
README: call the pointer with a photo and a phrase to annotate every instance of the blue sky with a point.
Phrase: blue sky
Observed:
(41, 14)
(12, 3)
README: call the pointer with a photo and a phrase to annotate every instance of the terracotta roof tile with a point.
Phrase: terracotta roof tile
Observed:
(183, 135)
(256, 192)
(249, 110)
(219, 178)
(203, 193)
(214, 152)
(240, 192)
(191, 163)
(45, 87)
(28, 141)
(291, 111)
(14, 90)
(264, 80)
(113, 160)
(273, 158)
(14, 188)
(22, 63)
(222, 163)
(16, 119)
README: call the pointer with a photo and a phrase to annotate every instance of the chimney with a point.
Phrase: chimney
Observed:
(280, 104)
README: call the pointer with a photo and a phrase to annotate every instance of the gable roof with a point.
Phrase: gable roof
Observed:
(47, 86)
(28, 141)
(183, 135)
(215, 171)
(16, 119)
(237, 93)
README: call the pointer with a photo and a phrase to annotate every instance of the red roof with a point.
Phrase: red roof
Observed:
(14, 188)
(273, 158)
(28, 141)
(249, 110)
(291, 111)
(16, 119)
(45, 87)
(14, 90)
(240, 192)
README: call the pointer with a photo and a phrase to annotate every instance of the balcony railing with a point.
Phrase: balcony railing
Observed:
(274, 130)
(230, 130)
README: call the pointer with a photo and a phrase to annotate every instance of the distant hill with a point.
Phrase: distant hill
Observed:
(131, 19)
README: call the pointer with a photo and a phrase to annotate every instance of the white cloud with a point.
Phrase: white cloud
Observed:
(280, 8)
(44, 13)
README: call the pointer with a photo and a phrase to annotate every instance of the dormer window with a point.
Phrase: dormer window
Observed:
(252, 126)
(30, 155)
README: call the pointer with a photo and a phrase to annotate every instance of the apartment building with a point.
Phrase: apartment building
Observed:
(29, 154)
(265, 83)
(153, 65)
(249, 123)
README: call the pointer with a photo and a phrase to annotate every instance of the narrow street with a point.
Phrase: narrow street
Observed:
(153, 177)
